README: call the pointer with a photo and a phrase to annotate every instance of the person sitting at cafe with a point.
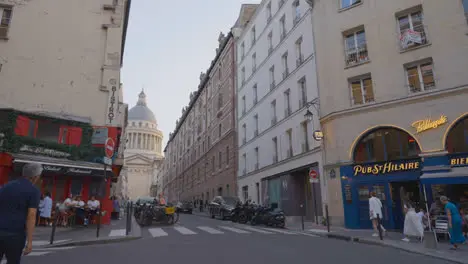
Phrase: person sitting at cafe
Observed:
(93, 206)
(79, 206)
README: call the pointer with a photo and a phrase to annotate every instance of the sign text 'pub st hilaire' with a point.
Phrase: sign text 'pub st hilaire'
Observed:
(387, 167)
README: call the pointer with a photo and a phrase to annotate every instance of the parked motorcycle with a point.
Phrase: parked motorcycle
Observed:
(151, 212)
(269, 217)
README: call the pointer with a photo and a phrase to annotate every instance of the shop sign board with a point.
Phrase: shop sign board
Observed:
(387, 167)
(459, 161)
(44, 151)
(428, 124)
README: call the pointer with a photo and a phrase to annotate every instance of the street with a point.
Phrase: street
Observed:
(203, 240)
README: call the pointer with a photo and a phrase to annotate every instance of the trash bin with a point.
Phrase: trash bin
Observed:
(430, 239)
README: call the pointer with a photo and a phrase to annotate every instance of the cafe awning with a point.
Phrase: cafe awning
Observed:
(456, 175)
(55, 166)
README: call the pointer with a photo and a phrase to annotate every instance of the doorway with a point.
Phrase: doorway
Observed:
(381, 191)
(411, 188)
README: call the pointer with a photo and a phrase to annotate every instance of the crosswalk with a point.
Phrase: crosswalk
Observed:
(156, 232)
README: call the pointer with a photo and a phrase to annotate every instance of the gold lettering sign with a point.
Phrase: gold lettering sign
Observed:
(459, 161)
(388, 167)
(427, 124)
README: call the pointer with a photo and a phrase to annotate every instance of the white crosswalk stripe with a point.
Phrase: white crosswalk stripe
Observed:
(38, 251)
(117, 233)
(157, 232)
(256, 230)
(184, 230)
(281, 231)
(39, 243)
(235, 230)
(210, 230)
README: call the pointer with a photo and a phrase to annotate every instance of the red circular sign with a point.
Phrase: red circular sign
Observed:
(110, 146)
(313, 174)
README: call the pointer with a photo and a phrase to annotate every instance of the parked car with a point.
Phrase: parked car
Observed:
(185, 207)
(222, 206)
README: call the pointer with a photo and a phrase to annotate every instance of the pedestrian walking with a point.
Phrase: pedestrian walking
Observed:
(454, 223)
(375, 210)
(19, 200)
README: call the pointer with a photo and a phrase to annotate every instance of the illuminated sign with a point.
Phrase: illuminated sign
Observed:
(389, 167)
(459, 161)
(427, 124)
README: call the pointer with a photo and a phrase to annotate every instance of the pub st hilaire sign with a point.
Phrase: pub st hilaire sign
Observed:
(384, 168)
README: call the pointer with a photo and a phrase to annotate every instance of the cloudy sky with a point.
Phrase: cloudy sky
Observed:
(168, 44)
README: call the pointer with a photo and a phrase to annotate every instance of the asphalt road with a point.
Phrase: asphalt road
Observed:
(206, 241)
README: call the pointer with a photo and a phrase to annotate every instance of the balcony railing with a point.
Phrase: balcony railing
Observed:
(285, 73)
(356, 55)
(272, 85)
(299, 60)
(287, 112)
(302, 102)
(412, 38)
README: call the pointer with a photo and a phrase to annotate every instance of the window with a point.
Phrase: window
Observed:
(465, 6)
(256, 158)
(244, 133)
(297, 11)
(5, 20)
(255, 93)
(220, 101)
(245, 193)
(284, 61)
(385, 144)
(254, 62)
(212, 164)
(302, 92)
(242, 50)
(287, 103)
(253, 35)
(272, 77)
(305, 134)
(220, 130)
(280, 3)
(220, 159)
(349, 3)
(243, 105)
(299, 56)
(275, 149)
(412, 32)
(362, 91)
(48, 131)
(420, 77)
(273, 112)
(356, 48)
(227, 155)
(268, 12)
(270, 43)
(244, 162)
(283, 27)
(457, 138)
(243, 75)
(289, 153)
(256, 125)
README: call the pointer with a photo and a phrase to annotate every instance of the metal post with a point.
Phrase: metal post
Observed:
(98, 227)
(302, 216)
(379, 227)
(130, 215)
(127, 227)
(54, 225)
(327, 218)
(315, 204)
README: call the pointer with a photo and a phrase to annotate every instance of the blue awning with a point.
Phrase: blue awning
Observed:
(457, 175)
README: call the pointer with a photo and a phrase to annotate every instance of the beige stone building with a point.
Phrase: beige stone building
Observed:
(393, 88)
(201, 153)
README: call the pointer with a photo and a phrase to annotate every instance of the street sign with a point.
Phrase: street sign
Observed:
(107, 161)
(313, 174)
(109, 147)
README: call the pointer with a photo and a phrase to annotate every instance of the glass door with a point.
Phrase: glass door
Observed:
(364, 191)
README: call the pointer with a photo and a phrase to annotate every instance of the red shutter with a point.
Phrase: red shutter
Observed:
(74, 136)
(22, 126)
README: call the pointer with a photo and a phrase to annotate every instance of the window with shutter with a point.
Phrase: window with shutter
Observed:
(22, 126)
(74, 136)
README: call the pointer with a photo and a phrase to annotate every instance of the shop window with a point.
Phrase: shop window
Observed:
(385, 144)
(76, 186)
(48, 131)
(457, 138)
(97, 188)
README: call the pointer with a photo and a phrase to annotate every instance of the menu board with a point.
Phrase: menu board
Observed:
(348, 194)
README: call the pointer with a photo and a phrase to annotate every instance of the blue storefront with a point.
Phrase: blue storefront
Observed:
(389, 161)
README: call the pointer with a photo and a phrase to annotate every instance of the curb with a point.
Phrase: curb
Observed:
(93, 242)
(383, 244)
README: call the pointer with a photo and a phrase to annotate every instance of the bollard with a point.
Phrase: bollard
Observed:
(128, 218)
(379, 227)
(302, 218)
(98, 226)
(327, 218)
(54, 225)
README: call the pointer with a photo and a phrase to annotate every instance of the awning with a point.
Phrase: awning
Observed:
(457, 175)
(54, 166)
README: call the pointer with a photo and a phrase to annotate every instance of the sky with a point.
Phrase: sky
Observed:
(169, 43)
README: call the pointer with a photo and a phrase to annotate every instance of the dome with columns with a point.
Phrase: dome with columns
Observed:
(143, 135)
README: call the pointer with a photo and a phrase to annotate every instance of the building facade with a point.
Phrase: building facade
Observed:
(201, 153)
(393, 92)
(276, 86)
(143, 153)
(61, 97)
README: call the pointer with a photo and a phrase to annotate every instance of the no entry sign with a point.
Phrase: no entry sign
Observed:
(313, 174)
(109, 147)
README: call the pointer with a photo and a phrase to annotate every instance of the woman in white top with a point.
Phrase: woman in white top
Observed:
(375, 209)
(46, 210)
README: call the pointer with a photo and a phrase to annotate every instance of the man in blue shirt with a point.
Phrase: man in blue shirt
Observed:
(19, 200)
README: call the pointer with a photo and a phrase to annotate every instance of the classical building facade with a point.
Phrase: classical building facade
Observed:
(201, 153)
(276, 85)
(393, 93)
(143, 153)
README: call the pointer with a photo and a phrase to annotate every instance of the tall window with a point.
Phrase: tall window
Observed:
(457, 138)
(254, 62)
(273, 112)
(356, 48)
(245, 193)
(270, 42)
(297, 11)
(272, 77)
(255, 94)
(243, 75)
(256, 158)
(412, 32)
(220, 130)
(256, 125)
(242, 50)
(284, 61)
(283, 27)
(253, 35)
(305, 134)
(287, 103)
(5, 19)
(420, 77)
(220, 159)
(275, 149)
(299, 56)
(385, 144)
(220, 101)
(243, 105)
(228, 156)
(244, 133)
(244, 162)
(348, 3)
(362, 91)
(302, 92)
(268, 12)
(289, 153)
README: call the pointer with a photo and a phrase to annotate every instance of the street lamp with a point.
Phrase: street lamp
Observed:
(309, 115)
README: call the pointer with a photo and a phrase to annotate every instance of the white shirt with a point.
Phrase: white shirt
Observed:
(93, 204)
(375, 207)
(79, 204)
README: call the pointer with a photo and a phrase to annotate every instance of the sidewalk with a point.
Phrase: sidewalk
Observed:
(392, 239)
(80, 236)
